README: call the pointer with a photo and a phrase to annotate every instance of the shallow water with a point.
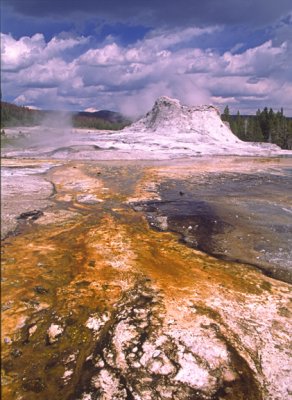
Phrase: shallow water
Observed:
(235, 216)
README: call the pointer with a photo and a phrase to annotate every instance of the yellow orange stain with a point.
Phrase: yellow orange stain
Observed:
(98, 252)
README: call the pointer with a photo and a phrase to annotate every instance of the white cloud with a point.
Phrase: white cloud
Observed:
(23, 53)
(57, 45)
(130, 78)
(160, 39)
(260, 60)
(53, 73)
(110, 54)
(19, 54)
(90, 109)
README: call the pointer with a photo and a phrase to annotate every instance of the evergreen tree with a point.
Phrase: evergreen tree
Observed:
(226, 114)
(266, 126)
(239, 126)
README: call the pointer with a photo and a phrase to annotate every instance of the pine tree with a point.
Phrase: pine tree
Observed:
(226, 114)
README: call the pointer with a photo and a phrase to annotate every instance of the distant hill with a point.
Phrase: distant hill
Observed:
(110, 116)
(102, 119)
(13, 115)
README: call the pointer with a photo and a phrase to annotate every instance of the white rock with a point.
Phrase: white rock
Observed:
(193, 374)
(109, 386)
(156, 353)
(67, 374)
(54, 332)
(162, 222)
(95, 323)
(32, 330)
(88, 199)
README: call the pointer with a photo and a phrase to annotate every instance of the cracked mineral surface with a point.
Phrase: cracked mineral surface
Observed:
(110, 292)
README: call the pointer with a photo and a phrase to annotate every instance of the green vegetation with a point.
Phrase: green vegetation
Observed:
(266, 126)
(12, 115)
(93, 122)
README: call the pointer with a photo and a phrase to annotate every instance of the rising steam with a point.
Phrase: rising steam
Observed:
(54, 130)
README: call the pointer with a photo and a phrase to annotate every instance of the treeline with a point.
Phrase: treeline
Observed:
(80, 121)
(266, 126)
(12, 115)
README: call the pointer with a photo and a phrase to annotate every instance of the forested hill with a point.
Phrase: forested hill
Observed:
(102, 119)
(13, 115)
(266, 126)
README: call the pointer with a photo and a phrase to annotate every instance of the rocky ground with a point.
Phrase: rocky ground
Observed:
(102, 299)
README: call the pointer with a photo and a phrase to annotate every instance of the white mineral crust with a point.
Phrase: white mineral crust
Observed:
(54, 332)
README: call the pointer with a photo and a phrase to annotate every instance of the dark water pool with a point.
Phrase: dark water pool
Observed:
(235, 216)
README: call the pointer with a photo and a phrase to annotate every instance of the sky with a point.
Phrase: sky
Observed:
(123, 54)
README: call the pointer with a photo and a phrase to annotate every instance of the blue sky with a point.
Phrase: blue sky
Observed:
(122, 55)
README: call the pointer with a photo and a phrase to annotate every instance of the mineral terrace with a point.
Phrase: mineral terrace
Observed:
(131, 279)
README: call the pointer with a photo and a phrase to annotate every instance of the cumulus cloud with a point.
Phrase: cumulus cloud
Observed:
(129, 78)
(262, 60)
(19, 54)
